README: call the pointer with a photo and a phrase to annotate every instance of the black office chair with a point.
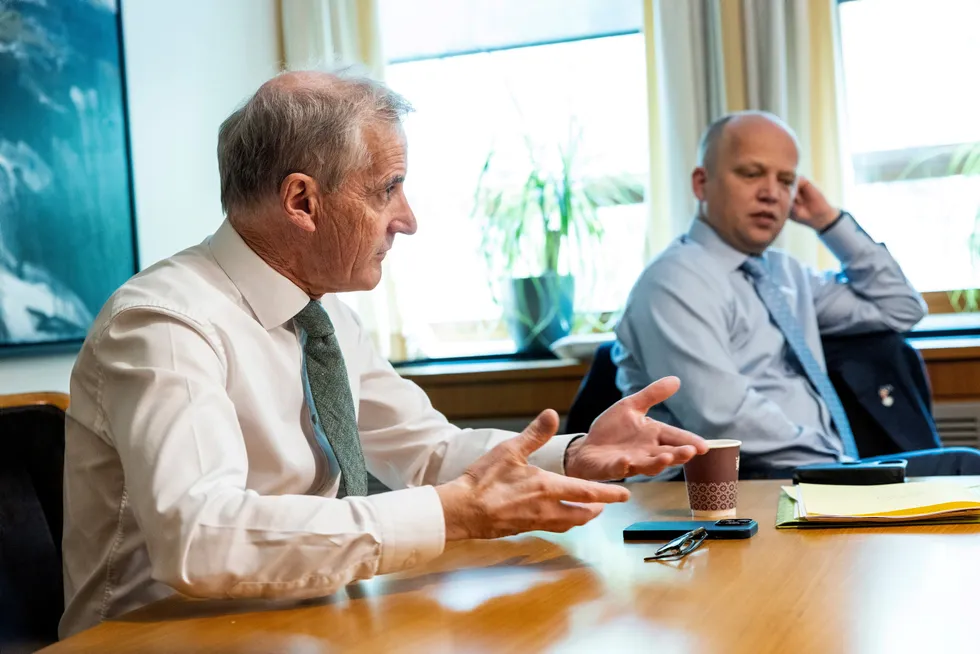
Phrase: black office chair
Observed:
(32, 457)
(596, 393)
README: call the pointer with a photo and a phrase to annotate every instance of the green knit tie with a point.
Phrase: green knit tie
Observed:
(330, 389)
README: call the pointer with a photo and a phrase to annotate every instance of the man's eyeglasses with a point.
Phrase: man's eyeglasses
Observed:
(680, 546)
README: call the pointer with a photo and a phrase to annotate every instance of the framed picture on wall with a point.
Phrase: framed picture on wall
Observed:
(67, 234)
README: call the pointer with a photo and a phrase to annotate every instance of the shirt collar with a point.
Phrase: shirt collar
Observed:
(273, 298)
(704, 235)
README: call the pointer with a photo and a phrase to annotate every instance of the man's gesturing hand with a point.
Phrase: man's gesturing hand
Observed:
(501, 494)
(623, 441)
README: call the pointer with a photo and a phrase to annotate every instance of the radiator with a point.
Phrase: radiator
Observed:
(958, 423)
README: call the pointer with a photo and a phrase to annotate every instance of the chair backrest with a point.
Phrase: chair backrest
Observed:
(861, 366)
(32, 455)
(596, 393)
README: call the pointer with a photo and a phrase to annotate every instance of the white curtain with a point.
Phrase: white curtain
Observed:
(706, 57)
(330, 34)
(686, 91)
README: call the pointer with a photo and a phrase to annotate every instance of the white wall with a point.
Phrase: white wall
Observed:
(189, 63)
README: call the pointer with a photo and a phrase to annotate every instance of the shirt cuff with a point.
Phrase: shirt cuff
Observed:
(413, 527)
(551, 455)
(846, 240)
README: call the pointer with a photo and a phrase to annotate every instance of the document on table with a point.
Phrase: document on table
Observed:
(912, 501)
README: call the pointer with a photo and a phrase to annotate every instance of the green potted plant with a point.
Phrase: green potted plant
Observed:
(965, 160)
(539, 229)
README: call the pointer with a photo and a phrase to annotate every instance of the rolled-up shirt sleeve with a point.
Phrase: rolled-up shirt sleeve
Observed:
(165, 408)
(871, 292)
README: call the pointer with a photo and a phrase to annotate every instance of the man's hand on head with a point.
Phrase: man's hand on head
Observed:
(501, 494)
(811, 208)
(624, 441)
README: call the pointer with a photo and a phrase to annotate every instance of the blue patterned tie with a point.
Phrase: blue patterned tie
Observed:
(783, 316)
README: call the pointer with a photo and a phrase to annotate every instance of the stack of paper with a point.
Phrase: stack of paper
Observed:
(914, 502)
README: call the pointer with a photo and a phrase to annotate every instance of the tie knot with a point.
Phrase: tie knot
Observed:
(314, 320)
(755, 267)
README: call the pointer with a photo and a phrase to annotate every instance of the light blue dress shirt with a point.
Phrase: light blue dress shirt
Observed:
(695, 315)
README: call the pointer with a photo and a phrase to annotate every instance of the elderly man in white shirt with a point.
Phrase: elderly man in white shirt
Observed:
(226, 406)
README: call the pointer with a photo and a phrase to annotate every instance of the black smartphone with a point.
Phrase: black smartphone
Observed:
(669, 530)
(853, 473)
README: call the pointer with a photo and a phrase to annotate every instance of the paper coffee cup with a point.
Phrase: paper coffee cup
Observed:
(712, 480)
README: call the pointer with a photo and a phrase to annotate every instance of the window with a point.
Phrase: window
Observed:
(510, 78)
(913, 130)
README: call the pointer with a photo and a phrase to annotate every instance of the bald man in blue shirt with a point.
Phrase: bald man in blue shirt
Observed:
(741, 324)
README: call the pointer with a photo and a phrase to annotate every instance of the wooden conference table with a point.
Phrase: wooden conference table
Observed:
(855, 590)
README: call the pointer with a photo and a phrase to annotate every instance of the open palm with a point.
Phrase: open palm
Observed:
(623, 441)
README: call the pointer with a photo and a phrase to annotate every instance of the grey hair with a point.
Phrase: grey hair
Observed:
(710, 139)
(316, 129)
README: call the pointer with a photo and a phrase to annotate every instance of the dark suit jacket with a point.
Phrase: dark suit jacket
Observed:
(883, 385)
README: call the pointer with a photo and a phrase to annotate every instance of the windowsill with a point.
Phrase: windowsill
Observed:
(942, 332)
(948, 348)
(469, 367)
(500, 388)
(948, 324)
(947, 336)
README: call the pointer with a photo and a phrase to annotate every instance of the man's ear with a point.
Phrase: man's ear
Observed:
(698, 180)
(300, 200)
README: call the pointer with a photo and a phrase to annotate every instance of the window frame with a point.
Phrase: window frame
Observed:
(883, 166)
(500, 327)
(928, 162)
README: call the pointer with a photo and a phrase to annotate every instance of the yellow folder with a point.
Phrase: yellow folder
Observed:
(884, 503)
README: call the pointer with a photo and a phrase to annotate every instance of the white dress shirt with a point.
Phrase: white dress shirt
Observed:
(190, 457)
